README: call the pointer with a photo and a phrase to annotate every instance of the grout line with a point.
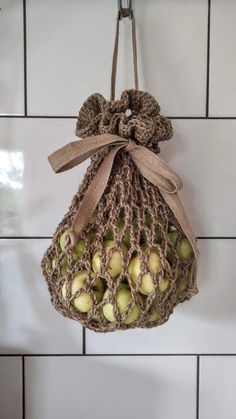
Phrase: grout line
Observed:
(197, 386)
(208, 57)
(32, 355)
(84, 342)
(75, 117)
(25, 58)
(23, 386)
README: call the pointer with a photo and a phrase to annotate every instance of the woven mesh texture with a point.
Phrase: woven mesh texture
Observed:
(132, 264)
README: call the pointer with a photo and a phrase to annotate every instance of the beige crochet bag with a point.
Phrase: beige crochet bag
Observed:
(125, 254)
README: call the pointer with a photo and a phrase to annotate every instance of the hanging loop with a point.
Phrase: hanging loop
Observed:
(125, 11)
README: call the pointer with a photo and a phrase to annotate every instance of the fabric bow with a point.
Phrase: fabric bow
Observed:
(154, 169)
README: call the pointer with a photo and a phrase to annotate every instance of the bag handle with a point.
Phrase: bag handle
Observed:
(115, 56)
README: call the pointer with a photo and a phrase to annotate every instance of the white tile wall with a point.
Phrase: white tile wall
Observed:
(69, 49)
(110, 388)
(223, 63)
(28, 322)
(79, 49)
(10, 388)
(34, 199)
(217, 390)
(11, 57)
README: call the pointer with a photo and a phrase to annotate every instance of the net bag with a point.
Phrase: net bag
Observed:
(125, 254)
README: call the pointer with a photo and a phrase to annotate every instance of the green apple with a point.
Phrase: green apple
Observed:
(164, 284)
(158, 236)
(63, 264)
(148, 220)
(64, 290)
(173, 236)
(78, 250)
(123, 298)
(109, 235)
(99, 295)
(115, 262)
(146, 285)
(79, 281)
(154, 261)
(62, 240)
(98, 284)
(154, 316)
(182, 286)
(185, 250)
(83, 302)
(54, 264)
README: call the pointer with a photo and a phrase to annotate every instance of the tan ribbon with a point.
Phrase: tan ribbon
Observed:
(154, 169)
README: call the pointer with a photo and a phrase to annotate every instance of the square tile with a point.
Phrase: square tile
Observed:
(10, 388)
(205, 324)
(12, 58)
(172, 46)
(217, 387)
(110, 387)
(223, 59)
(33, 198)
(77, 54)
(202, 152)
(28, 321)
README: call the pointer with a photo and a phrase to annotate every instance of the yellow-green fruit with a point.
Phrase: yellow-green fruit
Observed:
(148, 220)
(154, 261)
(158, 236)
(53, 263)
(182, 286)
(115, 262)
(146, 285)
(154, 316)
(98, 284)
(109, 235)
(123, 298)
(64, 290)
(99, 295)
(173, 236)
(63, 264)
(92, 234)
(164, 284)
(79, 281)
(78, 250)
(62, 240)
(83, 302)
(185, 250)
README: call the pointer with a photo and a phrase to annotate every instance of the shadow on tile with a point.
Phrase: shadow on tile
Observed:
(87, 388)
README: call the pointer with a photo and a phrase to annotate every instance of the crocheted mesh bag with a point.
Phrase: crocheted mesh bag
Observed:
(128, 258)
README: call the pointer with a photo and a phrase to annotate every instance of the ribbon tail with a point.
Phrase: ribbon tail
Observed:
(76, 152)
(178, 210)
(93, 195)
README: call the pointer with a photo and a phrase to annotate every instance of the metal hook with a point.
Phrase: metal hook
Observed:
(125, 11)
